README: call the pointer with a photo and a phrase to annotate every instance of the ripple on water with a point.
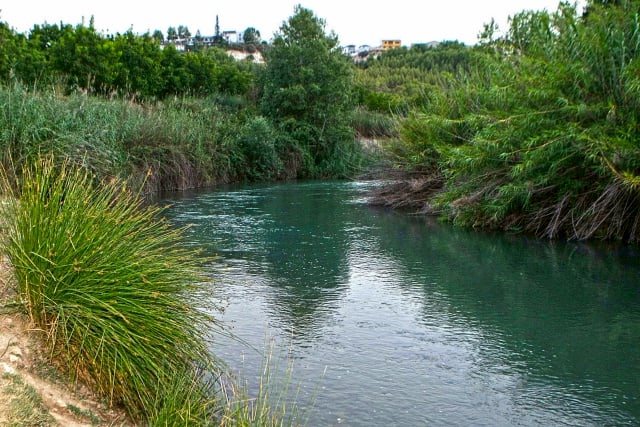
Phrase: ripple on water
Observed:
(395, 320)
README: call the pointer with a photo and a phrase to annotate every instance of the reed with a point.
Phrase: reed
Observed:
(272, 402)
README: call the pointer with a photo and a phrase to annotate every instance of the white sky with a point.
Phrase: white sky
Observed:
(354, 21)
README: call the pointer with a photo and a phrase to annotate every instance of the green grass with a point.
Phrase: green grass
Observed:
(122, 302)
(85, 413)
(270, 403)
(186, 143)
(374, 124)
(25, 406)
(115, 290)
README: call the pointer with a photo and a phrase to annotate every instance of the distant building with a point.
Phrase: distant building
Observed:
(189, 43)
(349, 50)
(232, 36)
(391, 44)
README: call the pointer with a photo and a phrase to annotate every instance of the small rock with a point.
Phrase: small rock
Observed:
(7, 369)
(15, 355)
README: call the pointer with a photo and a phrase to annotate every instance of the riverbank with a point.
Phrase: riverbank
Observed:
(32, 392)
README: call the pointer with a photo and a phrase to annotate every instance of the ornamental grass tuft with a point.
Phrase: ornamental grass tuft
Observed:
(116, 292)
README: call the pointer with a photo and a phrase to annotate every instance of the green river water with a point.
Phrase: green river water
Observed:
(395, 320)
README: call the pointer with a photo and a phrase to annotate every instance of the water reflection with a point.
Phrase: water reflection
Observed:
(419, 323)
(567, 313)
(305, 253)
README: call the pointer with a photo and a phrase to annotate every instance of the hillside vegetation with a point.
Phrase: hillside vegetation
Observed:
(535, 130)
(125, 106)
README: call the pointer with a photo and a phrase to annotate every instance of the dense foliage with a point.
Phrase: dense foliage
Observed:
(175, 144)
(539, 132)
(126, 64)
(306, 91)
(195, 118)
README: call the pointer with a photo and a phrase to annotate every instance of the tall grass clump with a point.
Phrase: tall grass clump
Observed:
(181, 141)
(371, 124)
(116, 292)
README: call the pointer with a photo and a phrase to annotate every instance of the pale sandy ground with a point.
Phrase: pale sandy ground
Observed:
(24, 371)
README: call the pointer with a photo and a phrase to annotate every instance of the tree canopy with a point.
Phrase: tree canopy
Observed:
(307, 89)
(251, 36)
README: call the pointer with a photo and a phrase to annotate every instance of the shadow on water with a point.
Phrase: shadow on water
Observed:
(553, 329)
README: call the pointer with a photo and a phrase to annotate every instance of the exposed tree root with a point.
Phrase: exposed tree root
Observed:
(613, 214)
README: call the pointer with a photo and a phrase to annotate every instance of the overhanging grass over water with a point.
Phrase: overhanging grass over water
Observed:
(121, 299)
(117, 294)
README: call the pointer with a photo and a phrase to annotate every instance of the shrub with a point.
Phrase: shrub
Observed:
(257, 142)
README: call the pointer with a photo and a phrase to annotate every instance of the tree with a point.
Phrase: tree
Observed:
(158, 36)
(251, 36)
(8, 51)
(217, 37)
(139, 69)
(172, 34)
(183, 32)
(85, 57)
(175, 76)
(307, 86)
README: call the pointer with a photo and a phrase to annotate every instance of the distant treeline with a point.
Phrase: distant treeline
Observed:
(80, 58)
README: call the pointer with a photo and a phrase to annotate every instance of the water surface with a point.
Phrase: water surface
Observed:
(396, 320)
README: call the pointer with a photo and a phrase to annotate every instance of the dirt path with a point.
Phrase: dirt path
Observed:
(31, 391)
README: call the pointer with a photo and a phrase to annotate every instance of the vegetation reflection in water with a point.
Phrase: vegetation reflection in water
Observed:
(417, 322)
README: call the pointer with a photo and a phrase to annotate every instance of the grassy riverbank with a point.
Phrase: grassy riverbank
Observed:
(118, 297)
(534, 130)
(184, 143)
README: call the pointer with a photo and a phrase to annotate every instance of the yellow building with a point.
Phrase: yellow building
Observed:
(390, 44)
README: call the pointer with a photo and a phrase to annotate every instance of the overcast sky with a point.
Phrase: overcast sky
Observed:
(355, 21)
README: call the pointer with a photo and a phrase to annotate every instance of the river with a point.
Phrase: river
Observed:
(394, 320)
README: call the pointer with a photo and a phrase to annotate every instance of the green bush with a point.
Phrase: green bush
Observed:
(540, 135)
(258, 143)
